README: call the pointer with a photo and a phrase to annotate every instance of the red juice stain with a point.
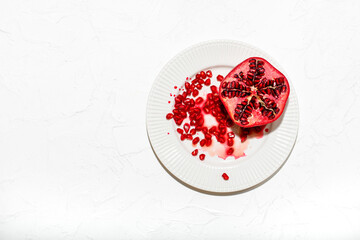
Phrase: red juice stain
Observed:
(170, 95)
(266, 130)
(169, 102)
(168, 133)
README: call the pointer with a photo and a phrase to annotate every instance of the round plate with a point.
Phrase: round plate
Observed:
(264, 157)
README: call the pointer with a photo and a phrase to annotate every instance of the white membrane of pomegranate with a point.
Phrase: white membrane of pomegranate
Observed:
(216, 153)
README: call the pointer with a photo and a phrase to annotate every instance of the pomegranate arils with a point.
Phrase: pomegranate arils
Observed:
(254, 93)
(207, 82)
(225, 176)
(169, 116)
(186, 127)
(183, 137)
(220, 78)
(202, 157)
(193, 131)
(195, 140)
(214, 89)
(209, 73)
(230, 142)
(199, 100)
(195, 152)
(231, 135)
(202, 74)
(230, 151)
(203, 142)
(195, 93)
(179, 130)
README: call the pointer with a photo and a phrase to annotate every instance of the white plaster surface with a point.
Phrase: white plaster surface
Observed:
(75, 161)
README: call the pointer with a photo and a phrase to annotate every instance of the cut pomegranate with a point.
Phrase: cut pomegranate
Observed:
(254, 93)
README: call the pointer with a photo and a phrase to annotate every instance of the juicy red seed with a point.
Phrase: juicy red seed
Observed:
(220, 78)
(204, 130)
(179, 130)
(203, 142)
(231, 135)
(229, 123)
(225, 176)
(202, 74)
(212, 129)
(195, 152)
(186, 127)
(213, 89)
(183, 137)
(197, 76)
(230, 151)
(209, 73)
(196, 140)
(199, 100)
(208, 142)
(207, 82)
(202, 157)
(221, 139)
(192, 131)
(230, 142)
(195, 93)
(189, 136)
(169, 116)
(187, 85)
(207, 136)
(199, 86)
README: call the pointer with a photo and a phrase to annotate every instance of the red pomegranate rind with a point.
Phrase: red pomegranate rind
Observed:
(254, 93)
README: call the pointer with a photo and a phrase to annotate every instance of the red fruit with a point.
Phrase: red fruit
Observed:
(225, 176)
(196, 140)
(202, 157)
(230, 151)
(207, 82)
(195, 93)
(195, 152)
(214, 89)
(192, 131)
(230, 142)
(179, 130)
(208, 142)
(254, 93)
(209, 73)
(189, 136)
(220, 78)
(169, 116)
(199, 100)
(186, 127)
(202, 74)
(202, 142)
(183, 137)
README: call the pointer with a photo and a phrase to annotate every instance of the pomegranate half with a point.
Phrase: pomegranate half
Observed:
(254, 93)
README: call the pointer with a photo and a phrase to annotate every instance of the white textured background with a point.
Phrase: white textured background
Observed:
(75, 161)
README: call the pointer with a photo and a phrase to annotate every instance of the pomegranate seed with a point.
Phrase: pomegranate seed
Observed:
(221, 139)
(231, 135)
(213, 89)
(230, 142)
(195, 93)
(169, 116)
(208, 142)
(212, 129)
(220, 78)
(187, 85)
(195, 152)
(183, 137)
(225, 176)
(207, 136)
(207, 82)
(199, 100)
(202, 157)
(230, 151)
(229, 123)
(192, 131)
(205, 130)
(189, 136)
(196, 140)
(197, 76)
(199, 86)
(202, 74)
(203, 142)
(186, 127)
(209, 73)
(179, 130)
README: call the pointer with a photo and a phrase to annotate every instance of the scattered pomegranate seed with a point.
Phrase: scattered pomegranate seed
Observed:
(202, 156)
(169, 116)
(207, 82)
(202, 74)
(199, 100)
(208, 142)
(220, 78)
(189, 136)
(202, 142)
(195, 152)
(231, 135)
(182, 137)
(214, 89)
(179, 130)
(209, 73)
(196, 140)
(195, 93)
(186, 127)
(230, 151)
(193, 131)
(225, 176)
(230, 142)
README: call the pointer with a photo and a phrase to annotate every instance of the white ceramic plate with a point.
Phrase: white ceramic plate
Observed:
(264, 157)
